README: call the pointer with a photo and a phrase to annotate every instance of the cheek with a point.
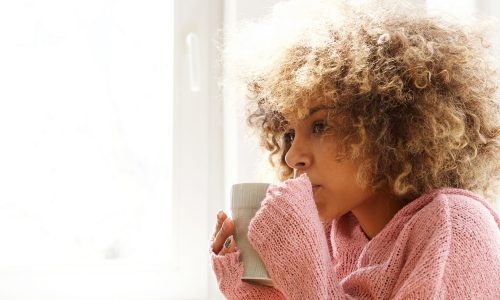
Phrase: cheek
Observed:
(340, 177)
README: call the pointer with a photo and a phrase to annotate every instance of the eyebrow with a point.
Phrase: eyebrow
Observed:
(317, 108)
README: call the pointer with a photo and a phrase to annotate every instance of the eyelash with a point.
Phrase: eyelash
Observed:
(289, 136)
(323, 128)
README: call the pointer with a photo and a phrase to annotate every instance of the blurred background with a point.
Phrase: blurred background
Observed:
(118, 145)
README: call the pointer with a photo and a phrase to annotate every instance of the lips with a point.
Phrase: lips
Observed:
(315, 187)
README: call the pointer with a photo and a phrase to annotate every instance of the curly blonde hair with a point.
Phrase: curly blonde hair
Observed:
(412, 96)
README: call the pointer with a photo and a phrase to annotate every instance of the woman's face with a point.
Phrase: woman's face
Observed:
(334, 183)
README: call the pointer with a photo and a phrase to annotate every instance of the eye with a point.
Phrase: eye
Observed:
(319, 127)
(288, 136)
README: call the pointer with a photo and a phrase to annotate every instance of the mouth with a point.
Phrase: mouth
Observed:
(315, 187)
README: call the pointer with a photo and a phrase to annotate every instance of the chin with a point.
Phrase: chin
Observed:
(324, 217)
(325, 220)
(328, 217)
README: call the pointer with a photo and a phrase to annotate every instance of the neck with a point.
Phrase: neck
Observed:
(374, 213)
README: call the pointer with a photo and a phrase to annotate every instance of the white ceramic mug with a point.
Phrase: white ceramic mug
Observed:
(245, 202)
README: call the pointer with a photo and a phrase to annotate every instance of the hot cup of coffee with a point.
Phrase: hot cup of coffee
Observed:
(245, 202)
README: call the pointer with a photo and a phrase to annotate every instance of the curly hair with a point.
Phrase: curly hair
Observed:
(412, 96)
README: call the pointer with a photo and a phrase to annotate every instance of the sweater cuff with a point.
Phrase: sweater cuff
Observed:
(228, 270)
(227, 264)
(288, 210)
(294, 194)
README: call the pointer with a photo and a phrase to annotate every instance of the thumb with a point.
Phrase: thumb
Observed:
(229, 246)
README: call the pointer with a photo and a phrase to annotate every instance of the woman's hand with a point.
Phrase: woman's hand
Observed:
(228, 268)
(223, 241)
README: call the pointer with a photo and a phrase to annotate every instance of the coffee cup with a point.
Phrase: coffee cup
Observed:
(245, 202)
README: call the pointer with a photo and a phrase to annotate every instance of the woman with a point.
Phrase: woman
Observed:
(390, 120)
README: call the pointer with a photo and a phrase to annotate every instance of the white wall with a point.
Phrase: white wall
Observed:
(244, 161)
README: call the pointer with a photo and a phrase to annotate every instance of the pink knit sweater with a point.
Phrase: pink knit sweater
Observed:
(443, 245)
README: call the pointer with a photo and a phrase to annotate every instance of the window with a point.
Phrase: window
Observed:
(108, 138)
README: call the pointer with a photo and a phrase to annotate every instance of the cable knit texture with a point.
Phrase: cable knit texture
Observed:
(442, 245)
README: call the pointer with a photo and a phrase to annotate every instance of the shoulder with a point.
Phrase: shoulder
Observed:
(454, 235)
(459, 207)
(451, 212)
(459, 214)
(470, 242)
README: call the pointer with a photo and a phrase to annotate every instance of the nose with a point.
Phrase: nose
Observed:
(298, 156)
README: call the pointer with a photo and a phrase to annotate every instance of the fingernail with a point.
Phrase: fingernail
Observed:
(228, 242)
(219, 214)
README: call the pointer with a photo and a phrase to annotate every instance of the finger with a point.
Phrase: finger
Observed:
(225, 231)
(229, 246)
(221, 216)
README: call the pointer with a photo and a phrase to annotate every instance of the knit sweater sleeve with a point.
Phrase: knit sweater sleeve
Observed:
(228, 270)
(290, 238)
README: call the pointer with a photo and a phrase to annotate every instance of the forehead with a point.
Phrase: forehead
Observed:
(314, 110)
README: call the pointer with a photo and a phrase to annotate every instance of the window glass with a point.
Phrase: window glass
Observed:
(86, 131)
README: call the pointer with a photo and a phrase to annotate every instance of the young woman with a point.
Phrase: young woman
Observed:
(390, 120)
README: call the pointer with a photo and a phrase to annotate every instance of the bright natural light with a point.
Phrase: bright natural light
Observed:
(459, 9)
(86, 129)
